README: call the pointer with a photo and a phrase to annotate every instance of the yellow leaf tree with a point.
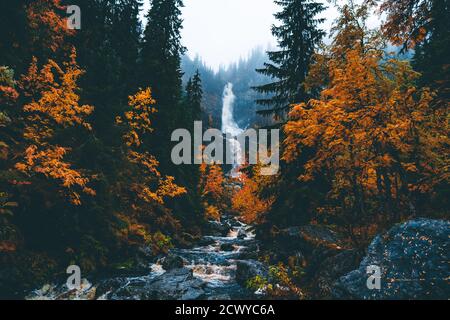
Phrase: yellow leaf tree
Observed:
(374, 134)
(143, 190)
(247, 201)
(51, 109)
(211, 188)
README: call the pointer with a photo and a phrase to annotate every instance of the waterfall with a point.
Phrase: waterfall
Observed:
(231, 128)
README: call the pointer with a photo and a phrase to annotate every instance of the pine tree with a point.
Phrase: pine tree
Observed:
(126, 37)
(161, 63)
(108, 49)
(431, 55)
(194, 96)
(298, 35)
(160, 68)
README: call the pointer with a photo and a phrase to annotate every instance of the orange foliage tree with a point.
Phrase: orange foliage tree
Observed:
(52, 108)
(407, 20)
(48, 25)
(143, 189)
(374, 135)
(247, 200)
(211, 186)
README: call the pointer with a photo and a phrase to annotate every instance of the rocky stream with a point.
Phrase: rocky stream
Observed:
(216, 268)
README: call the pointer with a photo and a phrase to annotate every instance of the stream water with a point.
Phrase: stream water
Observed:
(213, 263)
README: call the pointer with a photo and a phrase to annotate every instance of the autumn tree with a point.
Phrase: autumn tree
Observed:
(407, 21)
(53, 108)
(42, 173)
(366, 131)
(76, 188)
(247, 200)
(143, 189)
(422, 25)
(32, 28)
(211, 188)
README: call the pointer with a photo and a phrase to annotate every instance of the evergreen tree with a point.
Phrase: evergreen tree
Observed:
(160, 68)
(13, 30)
(161, 65)
(298, 35)
(194, 95)
(192, 101)
(126, 37)
(188, 90)
(108, 47)
(431, 55)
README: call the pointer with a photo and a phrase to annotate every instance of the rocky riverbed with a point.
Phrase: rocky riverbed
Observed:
(413, 258)
(216, 268)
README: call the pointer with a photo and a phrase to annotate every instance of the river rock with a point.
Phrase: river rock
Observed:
(227, 247)
(241, 234)
(219, 229)
(325, 273)
(309, 238)
(413, 258)
(107, 287)
(172, 262)
(249, 252)
(187, 240)
(204, 242)
(176, 284)
(248, 269)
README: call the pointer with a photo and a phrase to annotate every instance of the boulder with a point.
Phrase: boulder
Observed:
(413, 260)
(172, 262)
(227, 247)
(176, 284)
(249, 252)
(309, 238)
(331, 269)
(245, 255)
(204, 242)
(234, 222)
(248, 269)
(107, 288)
(187, 240)
(219, 229)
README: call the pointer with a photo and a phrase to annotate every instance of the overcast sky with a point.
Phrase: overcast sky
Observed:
(222, 31)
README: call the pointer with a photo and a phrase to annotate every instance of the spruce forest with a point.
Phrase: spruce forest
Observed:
(93, 206)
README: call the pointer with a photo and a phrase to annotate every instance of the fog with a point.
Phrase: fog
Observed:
(222, 31)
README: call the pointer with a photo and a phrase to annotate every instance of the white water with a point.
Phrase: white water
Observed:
(209, 262)
(231, 128)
